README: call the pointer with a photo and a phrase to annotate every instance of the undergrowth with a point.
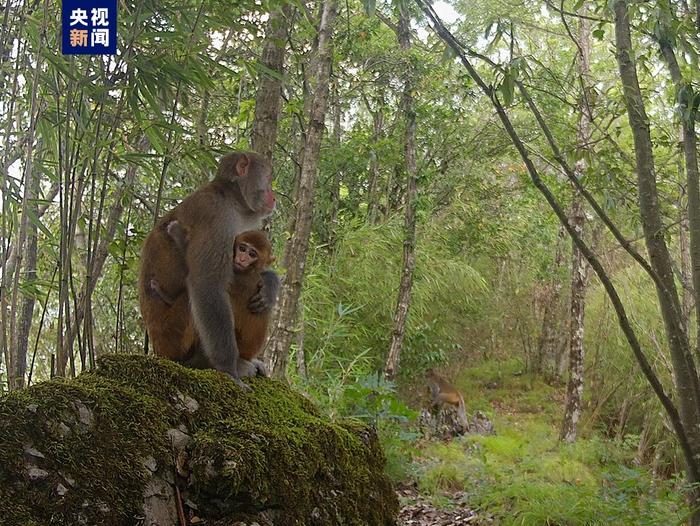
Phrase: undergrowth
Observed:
(523, 475)
(481, 319)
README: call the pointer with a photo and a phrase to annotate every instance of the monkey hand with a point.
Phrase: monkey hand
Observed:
(266, 296)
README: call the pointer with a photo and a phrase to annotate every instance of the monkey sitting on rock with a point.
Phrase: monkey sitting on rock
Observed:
(200, 332)
(252, 255)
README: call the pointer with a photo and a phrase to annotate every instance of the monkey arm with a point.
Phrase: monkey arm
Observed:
(210, 270)
(264, 299)
(211, 312)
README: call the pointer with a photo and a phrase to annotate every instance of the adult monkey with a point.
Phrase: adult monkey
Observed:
(238, 199)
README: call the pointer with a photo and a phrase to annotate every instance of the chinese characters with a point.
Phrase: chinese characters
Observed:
(89, 29)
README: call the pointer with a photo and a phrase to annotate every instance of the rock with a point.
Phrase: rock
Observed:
(34, 473)
(186, 403)
(84, 414)
(62, 429)
(445, 423)
(178, 438)
(32, 452)
(68, 479)
(148, 436)
(150, 463)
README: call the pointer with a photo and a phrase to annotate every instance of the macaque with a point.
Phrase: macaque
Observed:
(252, 254)
(238, 199)
(443, 392)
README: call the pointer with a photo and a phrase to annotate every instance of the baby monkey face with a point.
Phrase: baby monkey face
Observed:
(245, 256)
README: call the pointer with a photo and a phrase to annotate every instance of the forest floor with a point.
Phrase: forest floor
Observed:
(417, 510)
(522, 474)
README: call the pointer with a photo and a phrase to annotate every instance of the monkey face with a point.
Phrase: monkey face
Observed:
(256, 187)
(252, 250)
(245, 257)
(265, 198)
(253, 174)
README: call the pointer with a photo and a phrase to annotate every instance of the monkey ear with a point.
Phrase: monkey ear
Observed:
(242, 165)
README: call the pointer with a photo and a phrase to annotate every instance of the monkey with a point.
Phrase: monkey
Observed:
(252, 254)
(238, 198)
(443, 392)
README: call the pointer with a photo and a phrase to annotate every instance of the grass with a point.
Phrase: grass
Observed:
(523, 475)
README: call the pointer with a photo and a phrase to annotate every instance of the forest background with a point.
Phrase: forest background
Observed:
(424, 170)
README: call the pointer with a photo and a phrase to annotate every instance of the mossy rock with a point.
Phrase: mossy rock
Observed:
(111, 446)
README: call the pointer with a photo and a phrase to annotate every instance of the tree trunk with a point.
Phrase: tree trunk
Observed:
(26, 246)
(579, 269)
(268, 97)
(20, 334)
(686, 442)
(690, 156)
(685, 373)
(548, 342)
(337, 175)
(409, 244)
(372, 191)
(686, 271)
(277, 350)
(574, 387)
(300, 351)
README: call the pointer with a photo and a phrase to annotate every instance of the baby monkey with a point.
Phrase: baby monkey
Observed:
(252, 254)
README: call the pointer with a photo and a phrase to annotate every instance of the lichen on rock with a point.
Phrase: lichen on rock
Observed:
(111, 446)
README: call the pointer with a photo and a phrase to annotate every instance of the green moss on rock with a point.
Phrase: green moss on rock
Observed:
(85, 451)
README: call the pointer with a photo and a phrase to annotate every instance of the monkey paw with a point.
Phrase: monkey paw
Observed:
(260, 368)
(252, 367)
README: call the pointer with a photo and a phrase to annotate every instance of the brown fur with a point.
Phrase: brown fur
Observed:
(197, 278)
(250, 328)
(443, 392)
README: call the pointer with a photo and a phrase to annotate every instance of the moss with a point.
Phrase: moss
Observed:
(72, 431)
(267, 450)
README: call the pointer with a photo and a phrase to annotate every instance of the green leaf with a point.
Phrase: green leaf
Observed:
(599, 34)
(155, 137)
(34, 220)
(507, 87)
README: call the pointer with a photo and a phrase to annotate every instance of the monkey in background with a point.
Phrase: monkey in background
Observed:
(443, 392)
(238, 199)
(252, 254)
